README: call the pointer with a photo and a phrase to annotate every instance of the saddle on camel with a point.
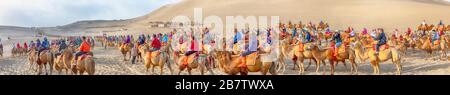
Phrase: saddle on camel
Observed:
(193, 59)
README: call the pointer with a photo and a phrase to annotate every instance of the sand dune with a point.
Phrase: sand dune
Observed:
(389, 14)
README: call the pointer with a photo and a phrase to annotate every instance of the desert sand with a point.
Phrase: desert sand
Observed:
(388, 14)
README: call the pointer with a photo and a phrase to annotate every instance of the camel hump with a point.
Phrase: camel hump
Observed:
(155, 53)
(251, 59)
(44, 52)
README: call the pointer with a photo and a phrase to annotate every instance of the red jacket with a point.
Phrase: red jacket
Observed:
(156, 43)
(18, 45)
(193, 46)
(25, 45)
(85, 47)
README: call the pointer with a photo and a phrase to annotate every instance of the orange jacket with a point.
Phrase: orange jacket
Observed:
(85, 47)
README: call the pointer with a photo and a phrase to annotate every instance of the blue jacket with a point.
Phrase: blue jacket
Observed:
(165, 39)
(294, 32)
(237, 37)
(436, 36)
(141, 40)
(382, 38)
(337, 38)
(308, 37)
(45, 44)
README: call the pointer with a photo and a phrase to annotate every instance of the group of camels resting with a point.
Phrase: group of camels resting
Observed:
(53, 59)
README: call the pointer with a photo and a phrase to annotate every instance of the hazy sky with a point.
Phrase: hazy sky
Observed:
(30, 13)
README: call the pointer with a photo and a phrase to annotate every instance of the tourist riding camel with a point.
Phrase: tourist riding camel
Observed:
(381, 39)
(45, 45)
(337, 42)
(156, 44)
(85, 48)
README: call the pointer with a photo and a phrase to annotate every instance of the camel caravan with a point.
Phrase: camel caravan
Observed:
(253, 50)
(56, 55)
(198, 50)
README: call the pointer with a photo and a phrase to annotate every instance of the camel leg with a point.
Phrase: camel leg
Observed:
(378, 69)
(129, 53)
(153, 69)
(345, 64)
(272, 69)
(295, 64)
(355, 66)
(301, 69)
(374, 69)
(189, 70)
(162, 69)
(67, 71)
(51, 69)
(265, 68)
(332, 67)
(243, 71)
(170, 67)
(302, 62)
(181, 68)
(45, 69)
(317, 66)
(324, 67)
(39, 69)
(202, 70)
(398, 68)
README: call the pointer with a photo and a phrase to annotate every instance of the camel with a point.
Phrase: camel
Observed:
(125, 49)
(231, 64)
(409, 42)
(85, 63)
(45, 58)
(32, 57)
(363, 53)
(62, 62)
(15, 52)
(448, 28)
(300, 25)
(426, 45)
(401, 45)
(300, 53)
(197, 60)
(425, 27)
(311, 27)
(156, 58)
(322, 26)
(344, 53)
(327, 36)
(320, 55)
